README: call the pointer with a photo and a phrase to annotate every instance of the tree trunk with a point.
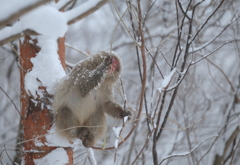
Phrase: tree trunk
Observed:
(36, 119)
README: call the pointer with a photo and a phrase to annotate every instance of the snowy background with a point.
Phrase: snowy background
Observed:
(203, 123)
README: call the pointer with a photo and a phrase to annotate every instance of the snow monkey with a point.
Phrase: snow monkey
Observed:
(85, 95)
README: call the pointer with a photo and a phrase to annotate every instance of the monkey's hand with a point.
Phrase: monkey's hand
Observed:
(128, 114)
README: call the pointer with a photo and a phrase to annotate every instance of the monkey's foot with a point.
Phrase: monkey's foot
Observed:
(87, 143)
(83, 132)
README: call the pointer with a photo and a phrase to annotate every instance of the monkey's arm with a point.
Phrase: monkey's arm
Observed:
(115, 110)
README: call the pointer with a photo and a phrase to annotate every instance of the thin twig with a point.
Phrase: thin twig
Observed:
(116, 28)
(184, 12)
(207, 20)
(145, 16)
(12, 102)
(205, 56)
(88, 12)
(144, 146)
(185, 154)
(115, 7)
(218, 35)
(68, 3)
(7, 154)
(84, 53)
(156, 65)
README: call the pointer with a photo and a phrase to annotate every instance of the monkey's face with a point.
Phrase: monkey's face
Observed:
(114, 66)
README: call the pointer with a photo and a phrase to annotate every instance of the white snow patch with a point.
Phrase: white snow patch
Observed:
(116, 143)
(53, 139)
(167, 79)
(45, 20)
(125, 119)
(17, 5)
(117, 131)
(91, 156)
(58, 156)
(38, 143)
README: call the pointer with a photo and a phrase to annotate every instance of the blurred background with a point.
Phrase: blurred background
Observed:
(199, 110)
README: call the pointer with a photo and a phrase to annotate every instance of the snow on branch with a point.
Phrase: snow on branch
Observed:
(20, 8)
(167, 79)
(117, 131)
(43, 20)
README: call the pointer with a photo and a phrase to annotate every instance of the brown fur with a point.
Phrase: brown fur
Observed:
(82, 98)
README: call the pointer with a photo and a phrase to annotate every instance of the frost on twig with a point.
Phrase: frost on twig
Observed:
(166, 81)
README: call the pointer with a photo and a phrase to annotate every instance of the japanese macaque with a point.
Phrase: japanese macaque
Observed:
(85, 95)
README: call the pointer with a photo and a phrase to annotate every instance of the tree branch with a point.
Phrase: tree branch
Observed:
(17, 36)
(88, 12)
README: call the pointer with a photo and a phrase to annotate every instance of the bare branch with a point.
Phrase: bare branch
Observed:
(143, 57)
(211, 41)
(220, 159)
(17, 36)
(184, 12)
(88, 12)
(79, 51)
(207, 20)
(124, 23)
(144, 146)
(205, 56)
(187, 153)
(11, 101)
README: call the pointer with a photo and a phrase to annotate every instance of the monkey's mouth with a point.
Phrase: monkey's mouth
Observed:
(115, 64)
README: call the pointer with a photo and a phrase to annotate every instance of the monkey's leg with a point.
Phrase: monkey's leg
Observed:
(65, 120)
(115, 110)
(95, 127)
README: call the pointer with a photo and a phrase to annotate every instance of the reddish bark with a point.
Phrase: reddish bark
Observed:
(37, 119)
(61, 51)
